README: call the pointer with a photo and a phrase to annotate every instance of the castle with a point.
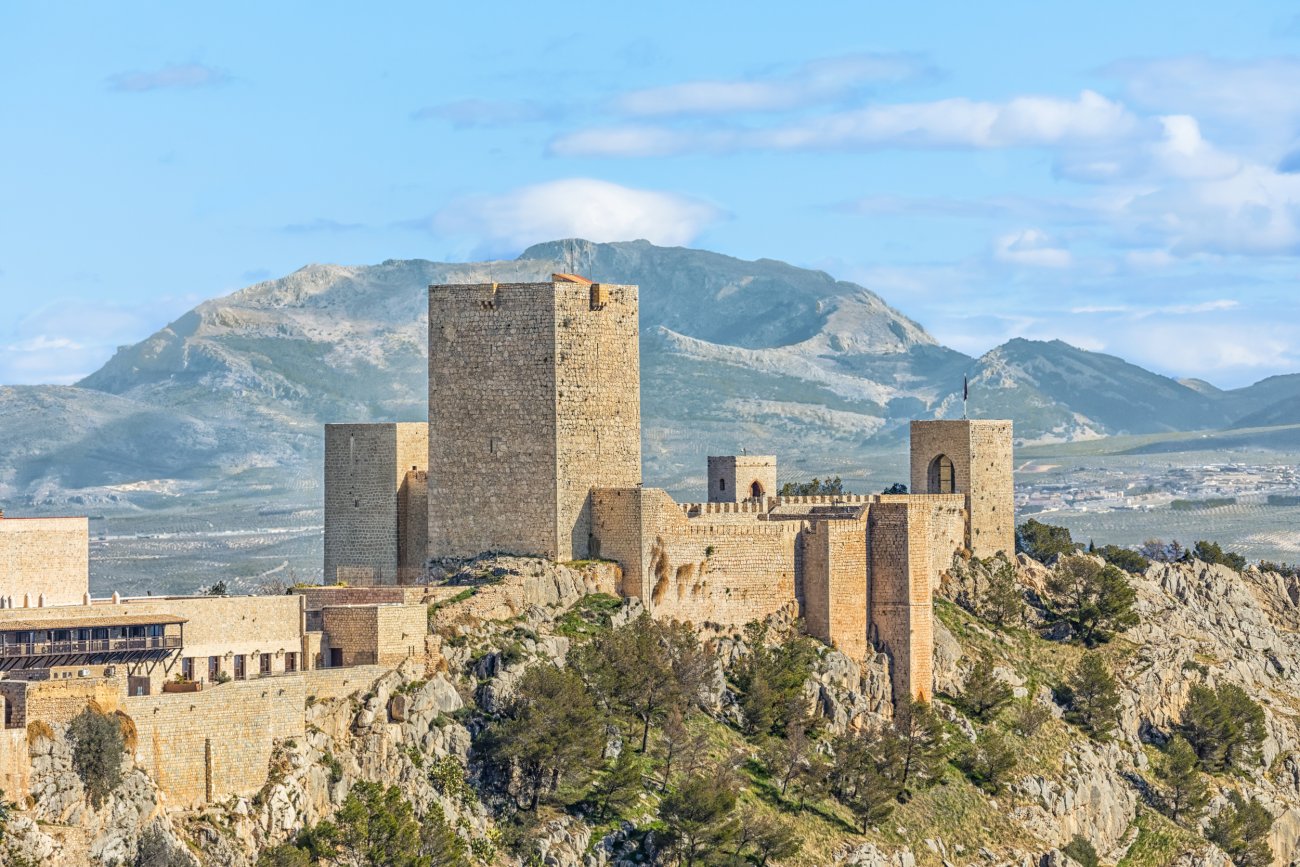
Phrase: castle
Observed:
(533, 447)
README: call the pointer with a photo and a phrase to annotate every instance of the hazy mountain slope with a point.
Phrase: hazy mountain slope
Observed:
(1053, 387)
(230, 398)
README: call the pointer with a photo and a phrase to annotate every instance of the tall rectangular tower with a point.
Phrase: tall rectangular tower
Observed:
(534, 399)
(366, 481)
(972, 458)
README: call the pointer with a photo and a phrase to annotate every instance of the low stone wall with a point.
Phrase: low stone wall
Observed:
(327, 683)
(203, 746)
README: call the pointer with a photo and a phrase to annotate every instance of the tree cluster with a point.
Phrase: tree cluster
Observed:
(1043, 541)
(97, 751)
(815, 488)
(375, 827)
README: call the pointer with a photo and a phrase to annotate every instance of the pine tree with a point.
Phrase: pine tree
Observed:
(1185, 795)
(1096, 599)
(620, 784)
(1003, 601)
(919, 752)
(984, 693)
(1093, 696)
(988, 761)
(1241, 830)
(698, 816)
(1224, 726)
(862, 776)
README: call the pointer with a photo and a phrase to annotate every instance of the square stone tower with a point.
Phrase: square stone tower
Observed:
(369, 469)
(971, 458)
(534, 399)
(733, 478)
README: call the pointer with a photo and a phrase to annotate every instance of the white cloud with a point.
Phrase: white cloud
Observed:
(1254, 103)
(1027, 121)
(812, 83)
(173, 75)
(578, 207)
(1031, 247)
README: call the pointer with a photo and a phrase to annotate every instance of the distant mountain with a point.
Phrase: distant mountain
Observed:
(762, 355)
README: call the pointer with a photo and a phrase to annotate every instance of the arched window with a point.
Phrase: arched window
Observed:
(722, 484)
(756, 490)
(942, 476)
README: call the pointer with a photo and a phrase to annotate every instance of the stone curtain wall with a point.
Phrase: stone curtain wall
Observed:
(326, 683)
(401, 632)
(15, 764)
(901, 604)
(58, 701)
(731, 477)
(49, 556)
(835, 581)
(366, 466)
(200, 747)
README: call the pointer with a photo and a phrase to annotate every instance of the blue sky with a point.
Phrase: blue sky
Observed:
(1123, 176)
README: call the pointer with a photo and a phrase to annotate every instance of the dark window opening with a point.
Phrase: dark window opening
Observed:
(722, 484)
(942, 476)
(756, 490)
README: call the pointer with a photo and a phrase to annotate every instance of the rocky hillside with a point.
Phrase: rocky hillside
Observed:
(430, 730)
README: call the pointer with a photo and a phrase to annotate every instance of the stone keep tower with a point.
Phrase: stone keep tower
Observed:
(374, 518)
(733, 478)
(970, 458)
(534, 399)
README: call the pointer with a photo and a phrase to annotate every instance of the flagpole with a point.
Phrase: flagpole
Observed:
(965, 395)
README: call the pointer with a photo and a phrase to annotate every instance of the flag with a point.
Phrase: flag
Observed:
(965, 388)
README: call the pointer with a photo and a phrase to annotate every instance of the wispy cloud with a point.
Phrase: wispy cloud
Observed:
(1031, 247)
(174, 75)
(812, 83)
(321, 224)
(576, 207)
(471, 113)
(1027, 121)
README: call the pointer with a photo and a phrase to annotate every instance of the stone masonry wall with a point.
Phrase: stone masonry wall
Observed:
(49, 556)
(15, 764)
(835, 584)
(492, 462)
(992, 495)
(534, 398)
(693, 569)
(412, 526)
(901, 603)
(203, 746)
(366, 466)
(981, 452)
(731, 477)
(352, 629)
(597, 403)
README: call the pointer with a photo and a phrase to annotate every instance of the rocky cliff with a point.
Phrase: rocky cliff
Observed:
(417, 727)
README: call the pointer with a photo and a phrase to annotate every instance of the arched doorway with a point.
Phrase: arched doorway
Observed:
(942, 476)
(756, 490)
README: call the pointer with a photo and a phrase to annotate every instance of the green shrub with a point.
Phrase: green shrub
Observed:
(97, 748)
(1082, 851)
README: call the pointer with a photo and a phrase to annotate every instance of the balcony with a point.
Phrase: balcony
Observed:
(92, 645)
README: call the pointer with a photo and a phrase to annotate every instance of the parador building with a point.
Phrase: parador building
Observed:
(533, 447)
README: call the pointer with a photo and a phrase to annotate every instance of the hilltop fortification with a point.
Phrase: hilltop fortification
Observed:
(534, 448)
